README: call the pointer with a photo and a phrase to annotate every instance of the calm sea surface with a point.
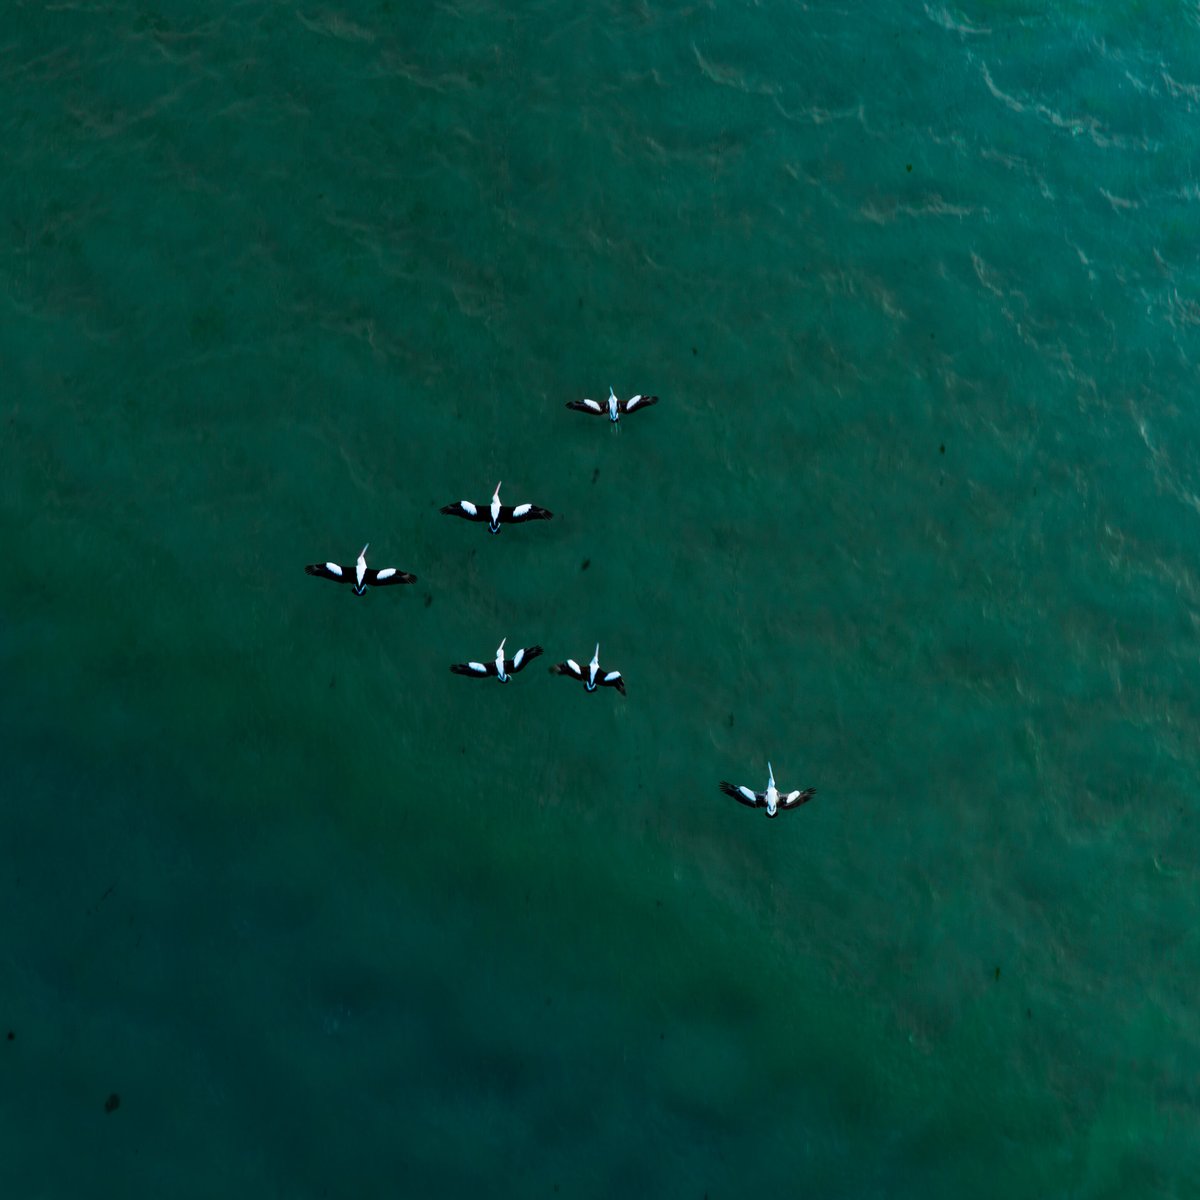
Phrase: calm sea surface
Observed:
(291, 911)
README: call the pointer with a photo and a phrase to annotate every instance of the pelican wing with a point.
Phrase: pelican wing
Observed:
(795, 799)
(466, 510)
(634, 403)
(332, 571)
(587, 406)
(387, 576)
(477, 669)
(612, 679)
(743, 795)
(522, 659)
(516, 513)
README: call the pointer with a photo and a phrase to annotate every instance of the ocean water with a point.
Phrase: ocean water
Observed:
(290, 910)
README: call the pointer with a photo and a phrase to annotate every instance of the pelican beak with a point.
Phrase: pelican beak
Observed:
(364, 550)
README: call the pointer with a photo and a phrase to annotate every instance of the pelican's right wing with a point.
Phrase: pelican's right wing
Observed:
(795, 799)
(634, 403)
(386, 576)
(612, 679)
(524, 512)
(522, 658)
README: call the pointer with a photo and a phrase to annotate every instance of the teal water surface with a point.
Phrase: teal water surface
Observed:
(915, 520)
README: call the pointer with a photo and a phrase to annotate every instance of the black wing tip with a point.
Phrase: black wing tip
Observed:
(534, 652)
(451, 510)
(314, 569)
(729, 789)
(619, 684)
(461, 669)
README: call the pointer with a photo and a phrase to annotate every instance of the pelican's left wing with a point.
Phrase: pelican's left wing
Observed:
(587, 406)
(466, 510)
(330, 570)
(743, 795)
(477, 669)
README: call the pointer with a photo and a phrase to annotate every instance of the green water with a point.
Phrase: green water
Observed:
(914, 520)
